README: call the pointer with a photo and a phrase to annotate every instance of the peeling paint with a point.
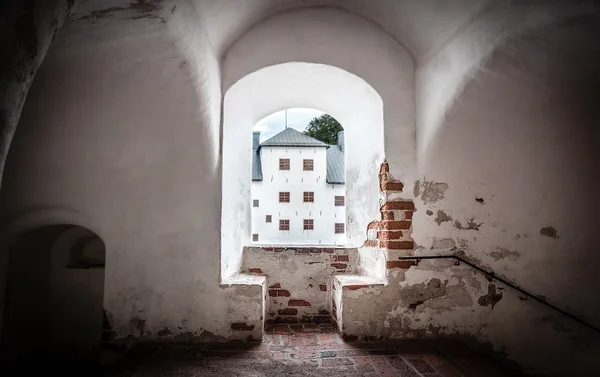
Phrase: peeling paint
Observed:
(417, 188)
(549, 232)
(429, 212)
(417, 294)
(491, 298)
(442, 217)
(444, 243)
(501, 253)
(473, 282)
(471, 225)
(431, 192)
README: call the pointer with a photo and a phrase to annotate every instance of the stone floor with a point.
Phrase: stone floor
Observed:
(303, 352)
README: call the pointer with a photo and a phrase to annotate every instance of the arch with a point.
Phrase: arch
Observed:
(54, 293)
(37, 218)
(380, 61)
(267, 48)
(349, 99)
(443, 76)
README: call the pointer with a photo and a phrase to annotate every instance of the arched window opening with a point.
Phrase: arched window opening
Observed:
(348, 99)
(298, 179)
(55, 293)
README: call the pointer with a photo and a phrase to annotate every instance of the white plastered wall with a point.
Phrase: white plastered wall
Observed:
(124, 140)
(521, 136)
(344, 40)
(343, 95)
(384, 67)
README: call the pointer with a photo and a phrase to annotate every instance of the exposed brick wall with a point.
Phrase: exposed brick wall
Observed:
(298, 280)
(393, 231)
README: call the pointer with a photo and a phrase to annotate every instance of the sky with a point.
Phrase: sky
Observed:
(275, 123)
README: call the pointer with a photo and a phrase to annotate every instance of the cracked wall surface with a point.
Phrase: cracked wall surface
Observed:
(122, 127)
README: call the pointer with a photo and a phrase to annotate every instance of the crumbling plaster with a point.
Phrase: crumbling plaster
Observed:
(518, 200)
(163, 257)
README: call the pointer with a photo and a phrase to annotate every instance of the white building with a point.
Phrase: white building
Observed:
(298, 190)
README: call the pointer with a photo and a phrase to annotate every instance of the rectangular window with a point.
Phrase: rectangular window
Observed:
(339, 228)
(255, 203)
(339, 201)
(309, 197)
(284, 224)
(284, 164)
(284, 197)
(309, 224)
(255, 237)
(308, 165)
(268, 219)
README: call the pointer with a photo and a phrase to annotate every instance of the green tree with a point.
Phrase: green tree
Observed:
(324, 128)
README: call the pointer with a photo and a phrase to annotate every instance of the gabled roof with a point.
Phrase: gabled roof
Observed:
(336, 170)
(292, 138)
(335, 165)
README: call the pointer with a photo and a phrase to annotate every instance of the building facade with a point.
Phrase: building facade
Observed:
(298, 190)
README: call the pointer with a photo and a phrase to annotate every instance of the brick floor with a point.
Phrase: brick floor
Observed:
(307, 352)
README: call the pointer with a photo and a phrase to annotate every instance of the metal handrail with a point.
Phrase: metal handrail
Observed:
(490, 274)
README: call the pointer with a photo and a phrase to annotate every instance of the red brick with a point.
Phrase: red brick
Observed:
(384, 168)
(371, 243)
(298, 303)
(403, 204)
(392, 186)
(336, 362)
(282, 329)
(397, 245)
(387, 215)
(339, 266)
(306, 319)
(272, 293)
(286, 320)
(373, 225)
(255, 271)
(240, 326)
(328, 250)
(354, 287)
(399, 264)
(387, 235)
(283, 293)
(275, 286)
(302, 251)
(278, 249)
(323, 287)
(315, 250)
(408, 215)
(395, 225)
(341, 258)
(288, 311)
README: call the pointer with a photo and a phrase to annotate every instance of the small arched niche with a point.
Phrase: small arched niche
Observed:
(55, 292)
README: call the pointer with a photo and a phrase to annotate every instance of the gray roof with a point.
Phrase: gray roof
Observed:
(292, 138)
(335, 165)
(256, 166)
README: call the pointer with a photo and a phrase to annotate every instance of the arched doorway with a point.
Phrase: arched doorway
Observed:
(54, 293)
